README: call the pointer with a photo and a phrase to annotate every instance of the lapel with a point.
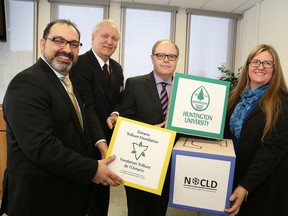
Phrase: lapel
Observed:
(152, 89)
(252, 113)
(99, 78)
(60, 88)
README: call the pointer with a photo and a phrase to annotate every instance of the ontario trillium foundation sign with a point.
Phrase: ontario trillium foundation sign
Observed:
(142, 152)
(198, 106)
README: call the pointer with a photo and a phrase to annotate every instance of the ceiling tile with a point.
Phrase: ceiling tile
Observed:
(197, 4)
(228, 6)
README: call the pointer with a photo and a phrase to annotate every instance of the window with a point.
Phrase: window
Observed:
(211, 44)
(84, 16)
(142, 28)
(18, 52)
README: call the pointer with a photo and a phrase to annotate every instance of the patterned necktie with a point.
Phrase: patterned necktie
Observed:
(164, 98)
(106, 73)
(68, 84)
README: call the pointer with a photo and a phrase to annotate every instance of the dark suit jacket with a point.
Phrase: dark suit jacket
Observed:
(141, 100)
(99, 99)
(262, 167)
(48, 165)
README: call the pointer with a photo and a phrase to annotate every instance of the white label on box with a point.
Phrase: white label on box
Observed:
(196, 187)
(208, 119)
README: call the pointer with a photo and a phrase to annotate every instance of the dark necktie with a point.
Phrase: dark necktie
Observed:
(164, 98)
(68, 84)
(106, 73)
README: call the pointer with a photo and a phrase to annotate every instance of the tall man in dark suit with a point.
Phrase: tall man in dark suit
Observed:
(101, 92)
(143, 101)
(49, 161)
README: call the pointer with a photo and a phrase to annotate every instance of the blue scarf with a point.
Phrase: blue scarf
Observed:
(248, 101)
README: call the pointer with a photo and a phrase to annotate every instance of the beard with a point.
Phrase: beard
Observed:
(60, 66)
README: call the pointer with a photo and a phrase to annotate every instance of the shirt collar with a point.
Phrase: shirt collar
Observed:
(158, 79)
(101, 62)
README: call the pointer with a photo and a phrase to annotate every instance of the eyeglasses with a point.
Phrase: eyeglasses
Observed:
(162, 56)
(61, 42)
(266, 64)
(106, 36)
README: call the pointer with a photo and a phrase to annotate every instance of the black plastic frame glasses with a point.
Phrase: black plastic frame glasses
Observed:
(61, 42)
(266, 64)
(162, 56)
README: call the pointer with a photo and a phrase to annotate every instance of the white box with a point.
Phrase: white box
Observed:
(202, 174)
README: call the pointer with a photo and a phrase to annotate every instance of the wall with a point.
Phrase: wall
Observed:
(115, 14)
(264, 23)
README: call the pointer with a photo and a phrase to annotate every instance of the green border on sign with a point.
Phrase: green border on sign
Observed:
(172, 106)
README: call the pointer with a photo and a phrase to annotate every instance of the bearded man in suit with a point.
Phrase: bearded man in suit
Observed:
(49, 152)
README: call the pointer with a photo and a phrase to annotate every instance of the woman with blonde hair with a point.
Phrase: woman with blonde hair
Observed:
(257, 121)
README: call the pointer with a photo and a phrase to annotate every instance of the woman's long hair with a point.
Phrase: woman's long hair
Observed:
(270, 102)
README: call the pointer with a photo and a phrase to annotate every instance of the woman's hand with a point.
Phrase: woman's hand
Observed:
(236, 200)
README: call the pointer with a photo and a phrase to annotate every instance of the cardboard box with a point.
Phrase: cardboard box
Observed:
(198, 106)
(202, 174)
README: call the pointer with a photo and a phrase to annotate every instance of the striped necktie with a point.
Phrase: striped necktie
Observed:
(164, 97)
(68, 84)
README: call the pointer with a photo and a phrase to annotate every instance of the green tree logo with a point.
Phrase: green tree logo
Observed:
(200, 99)
(201, 95)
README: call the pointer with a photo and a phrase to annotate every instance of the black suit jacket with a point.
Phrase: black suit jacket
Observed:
(141, 100)
(99, 99)
(262, 167)
(48, 162)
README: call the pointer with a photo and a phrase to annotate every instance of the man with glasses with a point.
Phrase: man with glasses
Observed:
(49, 160)
(146, 99)
(100, 81)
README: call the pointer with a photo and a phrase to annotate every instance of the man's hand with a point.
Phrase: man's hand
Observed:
(102, 146)
(161, 124)
(111, 120)
(104, 175)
